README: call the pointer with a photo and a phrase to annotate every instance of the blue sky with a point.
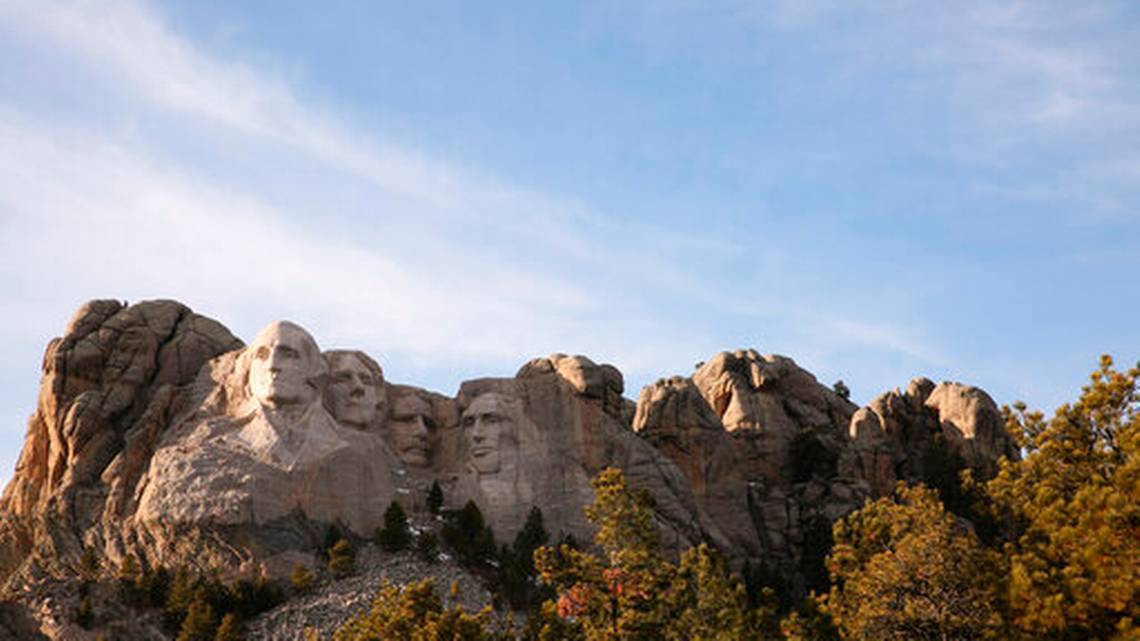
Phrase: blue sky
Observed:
(878, 189)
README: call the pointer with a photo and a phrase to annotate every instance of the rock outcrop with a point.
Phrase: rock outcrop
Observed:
(895, 437)
(158, 434)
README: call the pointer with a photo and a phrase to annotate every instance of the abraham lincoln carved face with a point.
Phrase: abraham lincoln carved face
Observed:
(489, 429)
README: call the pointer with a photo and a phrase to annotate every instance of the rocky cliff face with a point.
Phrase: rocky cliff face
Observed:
(158, 433)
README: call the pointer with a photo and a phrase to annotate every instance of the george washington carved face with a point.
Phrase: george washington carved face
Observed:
(285, 366)
(355, 391)
(488, 426)
(409, 429)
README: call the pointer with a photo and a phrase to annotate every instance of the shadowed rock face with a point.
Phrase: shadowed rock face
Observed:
(158, 433)
(893, 436)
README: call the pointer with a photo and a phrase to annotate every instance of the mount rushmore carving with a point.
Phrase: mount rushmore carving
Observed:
(157, 433)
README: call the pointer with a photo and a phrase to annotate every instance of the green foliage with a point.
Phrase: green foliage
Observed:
(808, 624)
(817, 544)
(427, 546)
(466, 534)
(199, 623)
(84, 613)
(415, 613)
(301, 579)
(764, 587)
(435, 498)
(842, 390)
(903, 570)
(249, 597)
(545, 624)
(184, 590)
(229, 629)
(333, 533)
(89, 564)
(1071, 511)
(709, 604)
(616, 597)
(517, 576)
(395, 535)
(342, 558)
(128, 581)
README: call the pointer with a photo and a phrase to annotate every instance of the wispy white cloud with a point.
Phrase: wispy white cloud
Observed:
(157, 226)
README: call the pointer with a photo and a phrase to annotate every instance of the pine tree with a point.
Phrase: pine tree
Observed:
(709, 603)
(903, 570)
(616, 597)
(342, 558)
(435, 498)
(427, 546)
(516, 563)
(128, 579)
(467, 535)
(301, 579)
(395, 535)
(89, 564)
(199, 624)
(414, 611)
(229, 629)
(84, 614)
(1071, 511)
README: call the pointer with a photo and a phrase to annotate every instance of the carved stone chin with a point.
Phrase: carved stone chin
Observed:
(490, 429)
(409, 430)
(355, 394)
(284, 366)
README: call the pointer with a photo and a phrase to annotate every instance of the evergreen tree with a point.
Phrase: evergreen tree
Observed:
(179, 597)
(516, 580)
(617, 597)
(395, 535)
(435, 498)
(808, 624)
(427, 546)
(904, 570)
(842, 390)
(84, 613)
(249, 597)
(153, 586)
(333, 534)
(710, 605)
(412, 613)
(89, 564)
(199, 623)
(342, 558)
(128, 579)
(229, 629)
(466, 534)
(1071, 513)
(301, 579)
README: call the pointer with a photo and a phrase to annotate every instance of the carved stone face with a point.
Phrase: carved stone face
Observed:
(485, 423)
(355, 391)
(284, 365)
(408, 430)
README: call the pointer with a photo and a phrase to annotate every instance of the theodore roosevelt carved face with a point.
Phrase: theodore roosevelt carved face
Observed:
(489, 427)
(285, 366)
(355, 392)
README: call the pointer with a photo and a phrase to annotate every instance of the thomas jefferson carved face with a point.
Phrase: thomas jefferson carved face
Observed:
(355, 392)
(285, 366)
(408, 430)
(485, 424)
